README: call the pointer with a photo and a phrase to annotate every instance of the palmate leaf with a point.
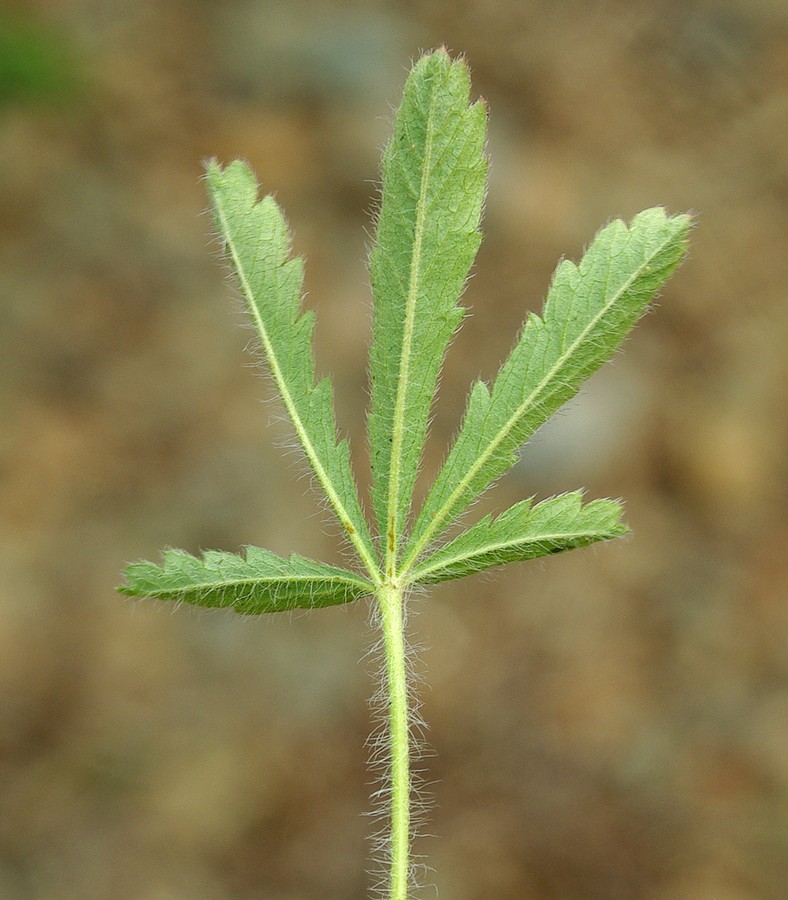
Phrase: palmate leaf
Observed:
(434, 175)
(523, 532)
(589, 310)
(257, 244)
(259, 582)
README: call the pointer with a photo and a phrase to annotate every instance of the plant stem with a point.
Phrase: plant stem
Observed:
(391, 603)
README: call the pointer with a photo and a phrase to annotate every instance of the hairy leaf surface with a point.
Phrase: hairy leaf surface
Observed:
(523, 532)
(434, 174)
(258, 246)
(589, 310)
(259, 582)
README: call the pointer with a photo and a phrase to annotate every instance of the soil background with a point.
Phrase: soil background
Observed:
(611, 723)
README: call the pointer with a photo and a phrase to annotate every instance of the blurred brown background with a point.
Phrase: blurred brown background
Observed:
(612, 723)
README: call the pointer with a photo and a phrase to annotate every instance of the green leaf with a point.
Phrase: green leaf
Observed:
(259, 582)
(523, 532)
(434, 175)
(589, 311)
(258, 246)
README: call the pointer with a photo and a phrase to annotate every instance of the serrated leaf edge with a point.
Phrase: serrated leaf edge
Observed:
(439, 521)
(324, 574)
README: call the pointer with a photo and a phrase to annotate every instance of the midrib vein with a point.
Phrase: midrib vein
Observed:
(267, 580)
(397, 426)
(495, 546)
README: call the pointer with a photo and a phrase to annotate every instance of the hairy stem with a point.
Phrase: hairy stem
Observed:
(391, 602)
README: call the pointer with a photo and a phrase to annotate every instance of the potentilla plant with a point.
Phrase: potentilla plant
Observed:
(433, 186)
